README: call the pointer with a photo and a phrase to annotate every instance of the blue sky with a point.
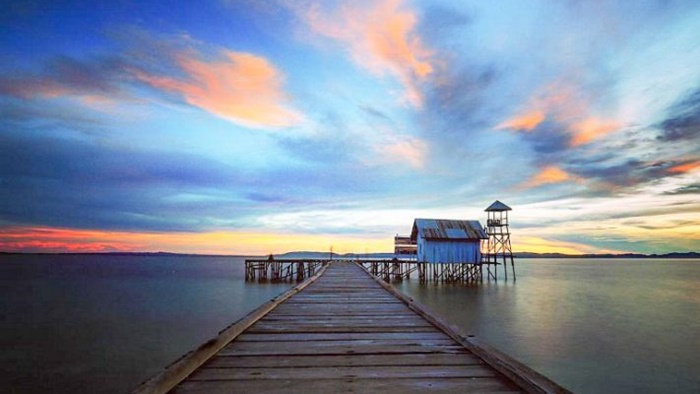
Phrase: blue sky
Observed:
(258, 127)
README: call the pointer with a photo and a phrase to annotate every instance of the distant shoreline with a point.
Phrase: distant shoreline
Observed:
(305, 254)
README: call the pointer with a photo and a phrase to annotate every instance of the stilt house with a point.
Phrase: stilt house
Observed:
(448, 241)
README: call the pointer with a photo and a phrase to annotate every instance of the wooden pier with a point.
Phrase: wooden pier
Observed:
(290, 270)
(344, 331)
(286, 270)
(398, 270)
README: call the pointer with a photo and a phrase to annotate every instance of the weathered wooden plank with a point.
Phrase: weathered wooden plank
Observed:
(341, 349)
(341, 307)
(342, 311)
(340, 360)
(350, 385)
(301, 337)
(360, 372)
(345, 301)
(374, 295)
(268, 323)
(339, 329)
(343, 342)
(412, 321)
(324, 315)
(338, 316)
(335, 306)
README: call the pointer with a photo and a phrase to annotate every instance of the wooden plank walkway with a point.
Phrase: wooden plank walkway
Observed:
(345, 332)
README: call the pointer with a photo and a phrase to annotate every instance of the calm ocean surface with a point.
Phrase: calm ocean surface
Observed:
(86, 324)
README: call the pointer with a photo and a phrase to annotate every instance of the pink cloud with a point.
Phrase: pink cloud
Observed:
(240, 87)
(380, 37)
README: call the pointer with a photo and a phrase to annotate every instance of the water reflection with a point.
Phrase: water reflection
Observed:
(578, 320)
(104, 323)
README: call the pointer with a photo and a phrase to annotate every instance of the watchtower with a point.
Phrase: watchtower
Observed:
(498, 244)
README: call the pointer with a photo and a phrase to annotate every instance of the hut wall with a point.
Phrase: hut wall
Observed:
(443, 251)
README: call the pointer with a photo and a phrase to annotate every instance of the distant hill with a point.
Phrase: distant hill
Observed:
(674, 255)
(325, 255)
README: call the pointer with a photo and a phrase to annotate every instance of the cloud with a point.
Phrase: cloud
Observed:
(75, 183)
(455, 103)
(548, 140)
(94, 80)
(241, 87)
(439, 19)
(590, 129)
(693, 188)
(526, 122)
(381, 37)
(630, 172)
(237, 86)
(405, 150)
(79, 183)
(684, 167)
(547, 175)
(683, 122)
(566, 105)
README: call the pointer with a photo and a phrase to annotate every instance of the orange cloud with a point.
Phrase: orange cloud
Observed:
(240, 87)
(525, 122)
(685, 167)
(590, 129)
(547, 175)
(380, 38)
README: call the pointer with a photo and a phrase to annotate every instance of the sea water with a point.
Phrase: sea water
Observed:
(103, 323)
(592, 325)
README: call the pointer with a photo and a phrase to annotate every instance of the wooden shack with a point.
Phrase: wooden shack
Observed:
(404, 246)
(448, 241)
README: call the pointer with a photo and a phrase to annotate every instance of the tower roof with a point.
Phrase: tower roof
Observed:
(498, 206)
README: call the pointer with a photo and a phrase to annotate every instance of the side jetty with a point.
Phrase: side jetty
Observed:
(342, 330)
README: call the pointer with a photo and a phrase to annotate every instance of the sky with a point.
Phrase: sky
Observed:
(255, 127)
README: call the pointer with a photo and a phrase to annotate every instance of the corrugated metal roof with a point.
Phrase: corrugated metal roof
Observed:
(498, 206)
(447, 229)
